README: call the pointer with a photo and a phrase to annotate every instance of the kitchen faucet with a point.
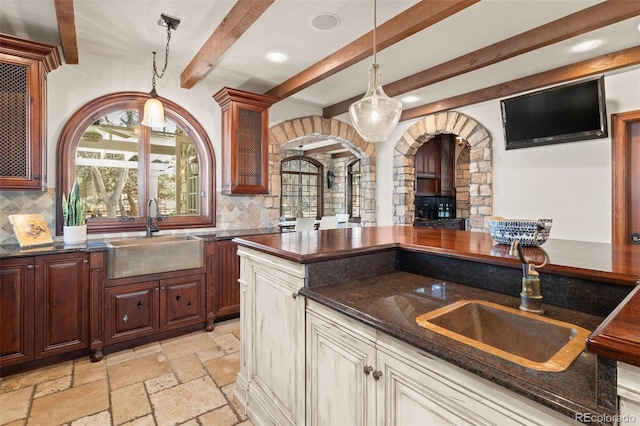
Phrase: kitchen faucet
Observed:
(530, 296)
(152, 223)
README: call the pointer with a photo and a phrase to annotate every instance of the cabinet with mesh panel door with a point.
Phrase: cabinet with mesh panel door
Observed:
(245, 141)
(24, 66)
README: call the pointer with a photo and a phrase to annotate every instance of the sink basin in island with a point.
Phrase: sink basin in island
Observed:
(530, 340)
(140, 256)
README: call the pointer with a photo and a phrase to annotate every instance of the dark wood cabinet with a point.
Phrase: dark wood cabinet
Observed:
(16, 311)
(24, 66)
(140, 307)
(223, 288)
(44, 307)
(62, 303)
(182, 301)
(245, 141)
(131, 311)
(435, 167)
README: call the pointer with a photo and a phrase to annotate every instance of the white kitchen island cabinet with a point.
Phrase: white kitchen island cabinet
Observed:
(401, 384)
(272, 373)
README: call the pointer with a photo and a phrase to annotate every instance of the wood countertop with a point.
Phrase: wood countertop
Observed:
(618, 337)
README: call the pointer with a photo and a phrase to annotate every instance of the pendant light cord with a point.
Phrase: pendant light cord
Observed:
(166, 61)
(374, 31)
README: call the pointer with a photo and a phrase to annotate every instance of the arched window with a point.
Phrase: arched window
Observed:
(120, 165)
(353, 191)
(302, 189)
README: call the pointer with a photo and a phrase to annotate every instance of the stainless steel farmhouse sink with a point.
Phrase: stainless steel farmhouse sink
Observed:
(530, 340)
(140, 256)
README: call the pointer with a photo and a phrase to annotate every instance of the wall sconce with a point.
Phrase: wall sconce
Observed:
(153, 109)
(331, 177)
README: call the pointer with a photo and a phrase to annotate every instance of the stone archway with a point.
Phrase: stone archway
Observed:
(480, 165)
(329, 128)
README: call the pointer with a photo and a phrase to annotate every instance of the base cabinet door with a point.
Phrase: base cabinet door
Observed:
(16, 311)
(226, 286)
(131, 311)
(341, 388)
(271, 381)
(181, 301)
(62, 303)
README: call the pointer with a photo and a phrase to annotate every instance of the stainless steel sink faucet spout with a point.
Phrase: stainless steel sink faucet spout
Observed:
(152, 222)
(530, 296)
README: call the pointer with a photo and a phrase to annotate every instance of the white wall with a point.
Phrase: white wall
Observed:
(569, 182)
(71, 86)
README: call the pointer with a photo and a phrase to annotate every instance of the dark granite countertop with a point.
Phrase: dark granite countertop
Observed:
(14, 250)
(392, 301)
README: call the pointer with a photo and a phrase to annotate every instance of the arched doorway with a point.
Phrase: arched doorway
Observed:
(299, 129)
(480, 165)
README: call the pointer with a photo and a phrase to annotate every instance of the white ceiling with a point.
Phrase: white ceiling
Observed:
(127, 30)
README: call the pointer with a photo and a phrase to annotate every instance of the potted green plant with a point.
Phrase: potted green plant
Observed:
(74, 213)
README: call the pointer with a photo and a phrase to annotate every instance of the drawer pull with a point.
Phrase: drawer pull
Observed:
(125, 318)
(139, 305)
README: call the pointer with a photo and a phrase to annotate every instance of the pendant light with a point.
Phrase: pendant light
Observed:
(375, 115)
(153, 109)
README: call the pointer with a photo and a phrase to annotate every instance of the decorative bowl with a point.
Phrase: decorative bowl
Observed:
(505, 231)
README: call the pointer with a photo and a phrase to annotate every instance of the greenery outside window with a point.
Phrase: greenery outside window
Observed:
(302, 189)
(121, 165)
(353, 191)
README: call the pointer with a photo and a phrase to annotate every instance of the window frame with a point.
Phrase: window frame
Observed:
(319, 184)
(349, 189)
(75, 127)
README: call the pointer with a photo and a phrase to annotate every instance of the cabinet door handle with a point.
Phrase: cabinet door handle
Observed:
(29, 266)
(368, 369)
(294, 295)
(377, 375)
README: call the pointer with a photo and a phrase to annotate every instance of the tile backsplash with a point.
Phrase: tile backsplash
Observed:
(233, 212)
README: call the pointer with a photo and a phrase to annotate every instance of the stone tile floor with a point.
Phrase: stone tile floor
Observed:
(187, 380)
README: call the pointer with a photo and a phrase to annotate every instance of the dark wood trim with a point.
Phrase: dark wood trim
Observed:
(67, 29)
(416, 18)
(610, 62)
(241, 16)
(91, 111)
(620, 165)
(586, 20)
(342, 154)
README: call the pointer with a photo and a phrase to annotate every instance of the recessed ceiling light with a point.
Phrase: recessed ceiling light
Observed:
(276, 57)
(325, 21)
(586, 45)
(409, 99)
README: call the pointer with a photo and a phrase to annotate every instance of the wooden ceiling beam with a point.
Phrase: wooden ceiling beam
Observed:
(405, 24)
(605, 63)
(592, 18)
(342, 154)
(322, 150)
(67, 29)
(241, 16)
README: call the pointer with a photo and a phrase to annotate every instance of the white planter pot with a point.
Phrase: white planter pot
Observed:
(75, 235)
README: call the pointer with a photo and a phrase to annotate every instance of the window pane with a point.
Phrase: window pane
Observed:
(173, 175)
(107, 165)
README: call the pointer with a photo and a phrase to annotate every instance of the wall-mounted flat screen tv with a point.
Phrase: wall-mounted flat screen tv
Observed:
(567, 113)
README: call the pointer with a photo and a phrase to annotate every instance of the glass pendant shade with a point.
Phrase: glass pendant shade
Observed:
(375, 115)
(153, 113)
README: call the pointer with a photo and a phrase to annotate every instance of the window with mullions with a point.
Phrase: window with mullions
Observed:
(353, 189)
(301, 187)
(120, 165)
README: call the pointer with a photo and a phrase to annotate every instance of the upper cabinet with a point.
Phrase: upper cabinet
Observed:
(245, 141)
(24, 66)
(435, 167)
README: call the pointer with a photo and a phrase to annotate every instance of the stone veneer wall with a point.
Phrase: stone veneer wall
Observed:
(329, 128)
(480, 166)
(462, 179)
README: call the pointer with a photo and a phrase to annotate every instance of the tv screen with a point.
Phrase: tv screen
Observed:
(571, 112)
